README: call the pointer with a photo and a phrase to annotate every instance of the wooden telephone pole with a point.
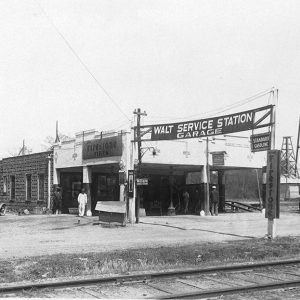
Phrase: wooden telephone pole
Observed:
(138, 113)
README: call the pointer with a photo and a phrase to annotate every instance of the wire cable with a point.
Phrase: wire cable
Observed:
(222, 109)
(82, 62)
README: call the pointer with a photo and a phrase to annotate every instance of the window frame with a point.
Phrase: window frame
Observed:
(40, 175)
(12, 192)
(26, 187)
(5, 184)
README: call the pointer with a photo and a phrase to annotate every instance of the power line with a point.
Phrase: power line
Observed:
(82, 62)
(222, 109)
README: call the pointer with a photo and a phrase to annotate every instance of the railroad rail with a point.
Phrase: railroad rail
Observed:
(180, 284)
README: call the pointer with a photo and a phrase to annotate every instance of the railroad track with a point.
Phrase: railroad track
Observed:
(181, 284)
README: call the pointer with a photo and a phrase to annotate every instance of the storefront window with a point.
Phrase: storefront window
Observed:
(107, 188)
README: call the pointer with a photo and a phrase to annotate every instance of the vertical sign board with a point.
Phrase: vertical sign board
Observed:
(260, 142)
(273, 184)
(130, 183)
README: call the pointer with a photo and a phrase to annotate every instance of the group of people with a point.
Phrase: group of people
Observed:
(82, 201)
(213, 200)
(57, 202)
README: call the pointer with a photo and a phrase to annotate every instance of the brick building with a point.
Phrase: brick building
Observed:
(25, 181)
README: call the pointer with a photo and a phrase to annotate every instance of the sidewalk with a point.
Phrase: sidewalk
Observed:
(52, 234)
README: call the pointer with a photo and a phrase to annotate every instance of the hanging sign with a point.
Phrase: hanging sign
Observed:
(99, 148)
(273, 184)
(237, 122)
(218, 158)
(260, 142)
(142, 181)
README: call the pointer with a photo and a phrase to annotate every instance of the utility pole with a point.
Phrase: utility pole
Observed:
(138, 113)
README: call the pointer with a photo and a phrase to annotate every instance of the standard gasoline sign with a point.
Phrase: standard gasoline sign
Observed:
(260, 142)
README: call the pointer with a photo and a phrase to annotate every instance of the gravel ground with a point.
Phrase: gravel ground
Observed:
(34, 235)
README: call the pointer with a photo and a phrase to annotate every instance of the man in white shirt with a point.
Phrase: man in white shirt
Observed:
(82, 201)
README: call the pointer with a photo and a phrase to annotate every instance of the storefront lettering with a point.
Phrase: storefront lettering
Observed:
(212, 126)
(105, 147)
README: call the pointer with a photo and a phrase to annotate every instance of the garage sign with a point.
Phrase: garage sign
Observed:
(242, 121)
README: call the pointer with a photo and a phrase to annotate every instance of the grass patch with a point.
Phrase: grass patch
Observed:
(156, 259)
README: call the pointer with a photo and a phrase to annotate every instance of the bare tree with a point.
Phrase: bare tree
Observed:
(50, 141)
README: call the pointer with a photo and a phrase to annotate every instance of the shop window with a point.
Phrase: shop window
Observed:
(12, 187)
(41, 186)
(5, 184)
(107, 188)
(28, 187)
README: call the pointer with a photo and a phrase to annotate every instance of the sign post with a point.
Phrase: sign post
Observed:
(273, 177)
(272, 190)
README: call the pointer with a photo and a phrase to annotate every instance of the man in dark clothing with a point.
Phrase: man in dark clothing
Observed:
(214, 201)
(57, 201)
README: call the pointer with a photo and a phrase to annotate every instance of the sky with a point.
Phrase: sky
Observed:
(90, 63)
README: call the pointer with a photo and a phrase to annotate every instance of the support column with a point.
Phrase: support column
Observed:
(87, 180)
(49, 183)
(56, 182)
(56, 177)
(221, 184)
(122, 192)
(123, 167)
(205, 177)
(130, 179)
(171, 208)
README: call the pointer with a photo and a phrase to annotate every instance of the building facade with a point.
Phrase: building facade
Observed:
(26, 181)
(99, 162)
(94, 161)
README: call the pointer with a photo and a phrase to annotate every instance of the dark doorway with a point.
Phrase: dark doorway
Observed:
(71, 184)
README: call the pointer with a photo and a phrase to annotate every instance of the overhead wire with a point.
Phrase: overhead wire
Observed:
(218, 110)
(82, 62)
(221, 109)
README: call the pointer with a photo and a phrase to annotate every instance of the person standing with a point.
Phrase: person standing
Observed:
(186, 198)
(198, 202)
(214, 200)
(57, 201)
(82, 201)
